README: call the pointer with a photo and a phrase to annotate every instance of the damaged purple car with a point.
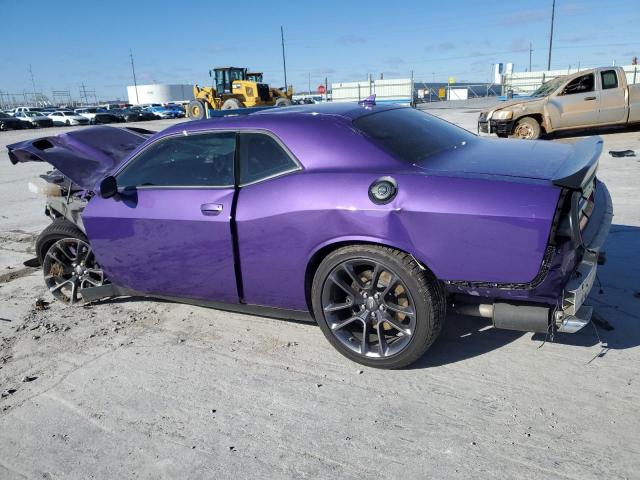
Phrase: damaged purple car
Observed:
(371, 220)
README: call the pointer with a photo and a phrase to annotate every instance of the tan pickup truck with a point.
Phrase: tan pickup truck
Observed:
(590, 98)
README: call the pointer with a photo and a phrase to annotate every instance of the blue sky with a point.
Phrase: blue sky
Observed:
(179, 41)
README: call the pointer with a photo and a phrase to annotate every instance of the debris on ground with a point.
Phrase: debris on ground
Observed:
(8, 391)
(28, 378)
(41, 304)
(622, 153)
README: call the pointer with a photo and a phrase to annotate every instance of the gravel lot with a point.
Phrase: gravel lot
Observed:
(133, 388)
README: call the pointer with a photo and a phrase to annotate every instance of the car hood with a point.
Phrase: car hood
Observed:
(84, 156)
(560, 163)
(509, 105)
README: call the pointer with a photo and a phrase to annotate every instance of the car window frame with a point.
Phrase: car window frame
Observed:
(593, 88)
(236, 163)
(297, 168)
(182, 187)
(615, 73)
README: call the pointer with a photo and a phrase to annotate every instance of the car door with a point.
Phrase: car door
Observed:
(168, 232)
(577, 104)
(268, 245)
(613, 101)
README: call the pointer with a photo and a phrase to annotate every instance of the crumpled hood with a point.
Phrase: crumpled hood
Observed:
(532, 159)
(512, 103)
(84, 156)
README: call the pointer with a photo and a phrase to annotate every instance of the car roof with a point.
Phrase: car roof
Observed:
(344, 113)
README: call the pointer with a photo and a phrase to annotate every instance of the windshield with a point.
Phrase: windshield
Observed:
(548, 87)
(412, 135)
(33, 114)
(4, 115)
(69, 114)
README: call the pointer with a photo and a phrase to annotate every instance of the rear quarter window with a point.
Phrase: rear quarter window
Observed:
(411, 135)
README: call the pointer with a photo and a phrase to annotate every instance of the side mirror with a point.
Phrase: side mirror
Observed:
(108, 187)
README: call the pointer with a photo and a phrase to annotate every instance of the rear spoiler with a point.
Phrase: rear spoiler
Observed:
(580, 167)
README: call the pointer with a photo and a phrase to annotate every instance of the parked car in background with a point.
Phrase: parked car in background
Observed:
(134, 115)
(26, 109)
(9, 122)
(162, 112)
(415, 215)
(98, 116)
(177, 109)
(34, 119)
(68, 117)
(590, 98)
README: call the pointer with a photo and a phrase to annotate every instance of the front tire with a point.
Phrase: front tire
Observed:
(377, 306)
(196, 110)
(527, 128)
(68, 262)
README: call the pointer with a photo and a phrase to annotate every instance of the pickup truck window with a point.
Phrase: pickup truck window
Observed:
(579, 85)
(609, 79)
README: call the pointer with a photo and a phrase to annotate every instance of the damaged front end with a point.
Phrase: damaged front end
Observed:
(81, 159)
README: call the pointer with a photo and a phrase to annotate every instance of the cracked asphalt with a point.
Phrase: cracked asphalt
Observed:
(132, 388)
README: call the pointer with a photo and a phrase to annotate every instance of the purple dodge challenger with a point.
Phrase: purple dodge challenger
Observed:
(370, 220)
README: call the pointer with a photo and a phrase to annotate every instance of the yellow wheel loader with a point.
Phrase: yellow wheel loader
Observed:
(234, 88)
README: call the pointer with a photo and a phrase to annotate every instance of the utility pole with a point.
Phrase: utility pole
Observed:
(553, 13)
(309, 83)
(135, 83)
(284, 61)
(33, 85)
(530, 50)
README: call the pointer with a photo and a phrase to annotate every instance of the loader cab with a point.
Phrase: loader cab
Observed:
(224, 78)
(254, 77)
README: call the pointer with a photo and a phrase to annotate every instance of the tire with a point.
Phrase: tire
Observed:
(67, 123)
(527, 128)
(232, 104)
(283, 102)
(58, 229)
(196, 110)
(423, 296)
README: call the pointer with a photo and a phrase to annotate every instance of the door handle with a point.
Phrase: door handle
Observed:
(211, 208)
(586, 99)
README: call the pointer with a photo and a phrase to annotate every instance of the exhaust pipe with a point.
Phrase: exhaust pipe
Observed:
(509, 316)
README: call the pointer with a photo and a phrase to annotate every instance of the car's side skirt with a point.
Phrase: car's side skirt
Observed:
(110, 291)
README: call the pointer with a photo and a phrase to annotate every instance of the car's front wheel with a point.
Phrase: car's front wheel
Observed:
(527, 128)
(377, 306)
(68, 262)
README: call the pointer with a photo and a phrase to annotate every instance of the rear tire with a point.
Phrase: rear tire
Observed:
(377, 305)
(283, 102)
(232, 104)
(196, 110)
(527, 128)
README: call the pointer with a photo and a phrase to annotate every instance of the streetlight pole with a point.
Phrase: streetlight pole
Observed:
(284, 61)
(553, 12)
(135, 83)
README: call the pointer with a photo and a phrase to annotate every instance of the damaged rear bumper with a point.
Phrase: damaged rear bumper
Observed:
(570, 314)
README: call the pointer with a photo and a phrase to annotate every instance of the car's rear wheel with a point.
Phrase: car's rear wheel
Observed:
(377, 306)
(527, 128)
(68, 262)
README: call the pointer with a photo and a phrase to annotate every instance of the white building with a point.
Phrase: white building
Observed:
(159, 93)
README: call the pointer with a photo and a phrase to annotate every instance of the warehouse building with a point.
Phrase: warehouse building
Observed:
(159, 93)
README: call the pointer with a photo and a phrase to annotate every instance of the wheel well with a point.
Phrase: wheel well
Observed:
(316, 260)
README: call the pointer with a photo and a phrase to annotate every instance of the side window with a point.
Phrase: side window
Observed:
(609, 79)
(200, 160)
(579, 85)
(261, 157)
